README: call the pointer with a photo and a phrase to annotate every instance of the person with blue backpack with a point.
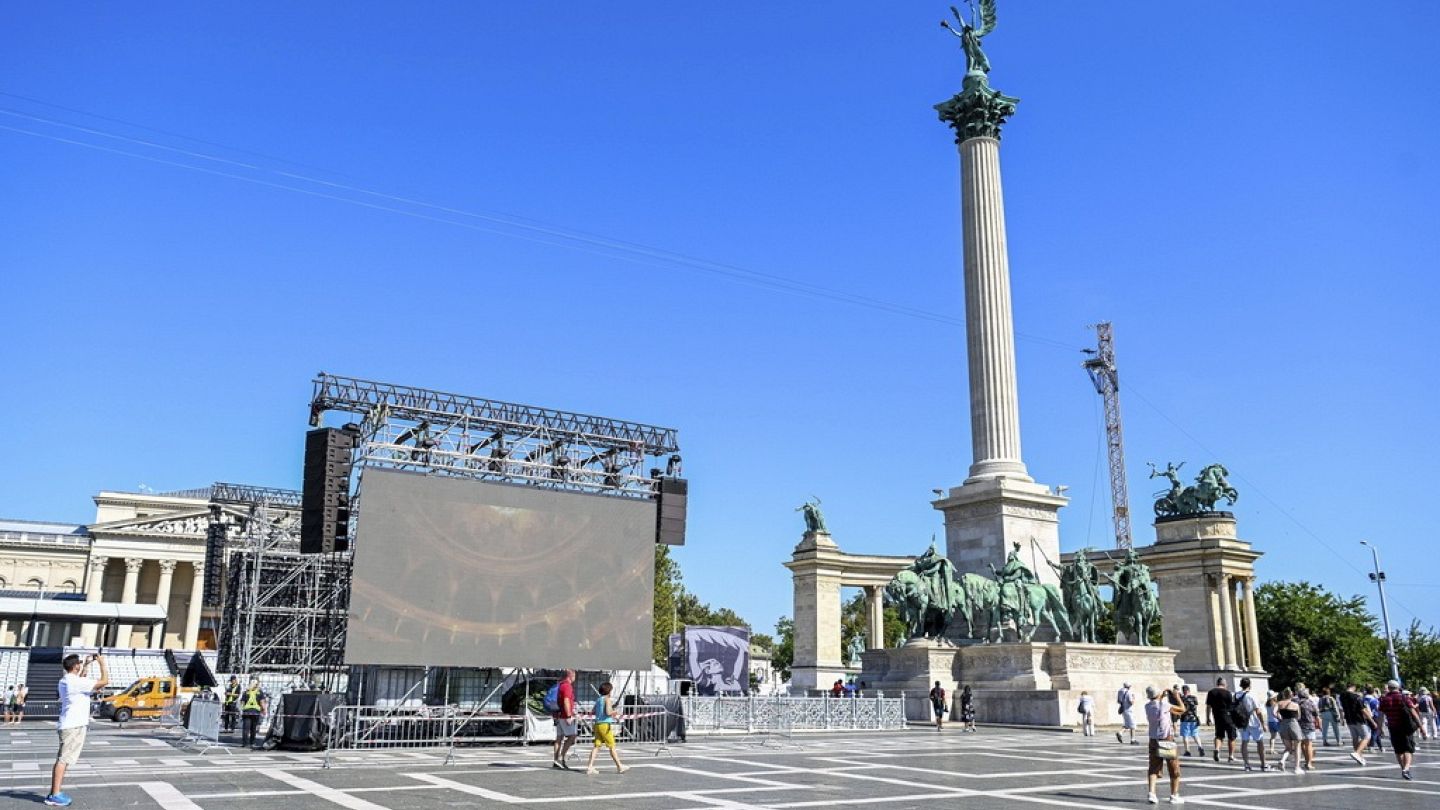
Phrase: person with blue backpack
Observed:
(560, 703)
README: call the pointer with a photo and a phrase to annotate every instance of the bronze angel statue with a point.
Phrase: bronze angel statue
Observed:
(970, 34)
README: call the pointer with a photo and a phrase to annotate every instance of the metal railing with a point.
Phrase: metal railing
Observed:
(783, 714)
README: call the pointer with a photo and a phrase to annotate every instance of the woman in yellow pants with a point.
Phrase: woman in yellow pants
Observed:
(605, 719)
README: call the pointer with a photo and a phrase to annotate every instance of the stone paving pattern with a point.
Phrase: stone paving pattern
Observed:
(148, 768)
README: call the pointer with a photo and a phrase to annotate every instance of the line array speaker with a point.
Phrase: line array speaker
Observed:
(325, 495)
(670, 514)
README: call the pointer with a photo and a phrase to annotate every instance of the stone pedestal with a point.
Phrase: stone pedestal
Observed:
(1035, 684)
(983, 518)
(817, 610)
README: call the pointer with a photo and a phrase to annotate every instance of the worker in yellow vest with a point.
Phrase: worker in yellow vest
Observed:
(231, 705)
(253, 703)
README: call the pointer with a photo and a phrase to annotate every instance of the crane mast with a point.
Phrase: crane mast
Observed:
(1101, 368)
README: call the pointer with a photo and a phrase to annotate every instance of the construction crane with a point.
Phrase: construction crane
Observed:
(1101, 368)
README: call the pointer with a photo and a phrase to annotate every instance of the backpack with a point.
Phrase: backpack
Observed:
(1239, 715)
(1125, 700)
(552, 699)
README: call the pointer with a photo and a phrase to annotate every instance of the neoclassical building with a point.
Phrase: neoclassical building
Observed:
(142, 549)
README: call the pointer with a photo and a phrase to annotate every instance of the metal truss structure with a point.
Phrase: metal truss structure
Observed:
(1106, 377)
(283, 611)
(433, 432)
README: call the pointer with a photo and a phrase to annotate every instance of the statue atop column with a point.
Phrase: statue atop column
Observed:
(814, 519)
(978, 110)
(1136, 607)
(1080, 585)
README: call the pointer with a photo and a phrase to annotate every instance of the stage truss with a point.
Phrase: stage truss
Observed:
(283, 611)
(405, 428)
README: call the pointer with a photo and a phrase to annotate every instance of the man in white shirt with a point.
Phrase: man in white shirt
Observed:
(75, 692)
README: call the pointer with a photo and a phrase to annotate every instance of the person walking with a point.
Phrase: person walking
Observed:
(253, 705)
(1377, 721)
(967, 710)
(937, 704)
(1272, 721)
(1245, 708)
(605, 719)
(1125, 704)
(1329, 715)
(231, 710)
(1399, 712)
(1309, 726)
(1160, 714)
(1425, 705)
(567, 727)
(75, 690)
(1190, 721)
(9, 703)
(1288, 710)
(1357, 721)
(1087, 714)
(22, 693)
(1217, 713)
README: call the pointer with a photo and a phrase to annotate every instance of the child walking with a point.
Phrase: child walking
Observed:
(605, 719)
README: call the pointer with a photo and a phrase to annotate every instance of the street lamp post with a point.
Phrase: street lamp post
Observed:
(1378, 577)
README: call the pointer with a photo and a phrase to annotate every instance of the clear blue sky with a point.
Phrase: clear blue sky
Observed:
(1248, 190)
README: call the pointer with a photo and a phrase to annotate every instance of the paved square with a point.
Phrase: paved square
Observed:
(146, 768)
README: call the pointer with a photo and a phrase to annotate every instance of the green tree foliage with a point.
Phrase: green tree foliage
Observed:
(783, 653)
(1419, 654)
(854, 621)
(675, 607)
(1310, 635)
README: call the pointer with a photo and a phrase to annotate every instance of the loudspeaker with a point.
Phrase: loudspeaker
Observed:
(325, 494)
(670, 511)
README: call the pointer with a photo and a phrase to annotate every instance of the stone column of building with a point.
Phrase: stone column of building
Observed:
(1227, 623)
(1242, 626)
(127, 596)
(94, 592)
(989, 325)
(1253, 639)
(875, 600)
(162, 598)
(197, 599)
(1217, 638)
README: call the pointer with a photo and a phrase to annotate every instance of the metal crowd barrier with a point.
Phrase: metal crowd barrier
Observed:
(783, 715)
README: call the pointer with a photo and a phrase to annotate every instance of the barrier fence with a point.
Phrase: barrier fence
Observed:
(784, 715)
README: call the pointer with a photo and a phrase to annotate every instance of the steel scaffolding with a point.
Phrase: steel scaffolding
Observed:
(433, 432)
(283, 611)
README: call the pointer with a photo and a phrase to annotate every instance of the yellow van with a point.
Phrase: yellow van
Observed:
(146, 699)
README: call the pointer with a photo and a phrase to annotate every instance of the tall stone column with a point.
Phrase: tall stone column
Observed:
(162, 598)
(875, 600)
(989, 325)
(197, 600)
(94, 592)
(1253, 638)
(127, 596)
(1227, 622)
(1242, 627)
(1217, 621)
(999, 506)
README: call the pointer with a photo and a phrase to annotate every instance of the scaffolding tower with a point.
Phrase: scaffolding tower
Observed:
(1103, 373)
(283, 611)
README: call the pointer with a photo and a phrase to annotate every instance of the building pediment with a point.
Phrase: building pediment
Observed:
(183, 523)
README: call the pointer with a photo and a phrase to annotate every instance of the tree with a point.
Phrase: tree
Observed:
(1310, 635)
(855, 621)
(1419, 654)
(783, 654)
(668, 588)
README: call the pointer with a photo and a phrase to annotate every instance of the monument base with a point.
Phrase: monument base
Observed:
(1029, 684)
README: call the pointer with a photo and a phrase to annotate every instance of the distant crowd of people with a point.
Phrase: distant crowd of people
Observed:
(1294, 718)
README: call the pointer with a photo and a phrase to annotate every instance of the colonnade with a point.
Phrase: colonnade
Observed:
(129, 593)
(1232, 613)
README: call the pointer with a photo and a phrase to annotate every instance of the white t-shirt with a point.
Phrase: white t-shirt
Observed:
(75, 700)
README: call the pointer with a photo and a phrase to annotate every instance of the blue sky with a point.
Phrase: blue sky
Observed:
(1246, 190)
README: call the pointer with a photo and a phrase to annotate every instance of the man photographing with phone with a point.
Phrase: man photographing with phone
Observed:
(76, 689)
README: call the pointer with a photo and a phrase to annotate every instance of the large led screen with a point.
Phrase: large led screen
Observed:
(453, 572)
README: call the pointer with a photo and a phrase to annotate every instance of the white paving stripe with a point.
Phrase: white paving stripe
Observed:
(471, 790)
(168, 796)
(325, 792)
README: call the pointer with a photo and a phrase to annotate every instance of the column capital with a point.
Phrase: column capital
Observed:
(167, 566)
(132, 564)
(199, 567)
(98, 563)
(977, 111)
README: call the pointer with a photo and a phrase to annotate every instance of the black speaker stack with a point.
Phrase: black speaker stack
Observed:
(670, 516)
(325, 496)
